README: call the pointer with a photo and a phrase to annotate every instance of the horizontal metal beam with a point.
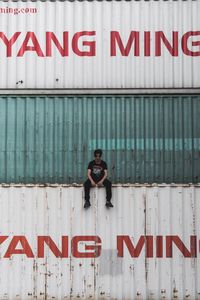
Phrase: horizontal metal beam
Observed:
(125, 185)
(86, 0)
(51, 92)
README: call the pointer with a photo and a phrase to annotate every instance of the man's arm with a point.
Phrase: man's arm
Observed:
(104, 177)
(90, 178)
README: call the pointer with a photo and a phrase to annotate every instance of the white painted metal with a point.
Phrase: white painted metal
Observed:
(101, 70)
(56, 211)
(40, 92)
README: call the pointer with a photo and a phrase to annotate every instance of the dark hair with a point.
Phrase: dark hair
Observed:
(98, 151)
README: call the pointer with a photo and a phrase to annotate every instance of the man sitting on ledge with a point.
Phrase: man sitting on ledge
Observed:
(97, 176)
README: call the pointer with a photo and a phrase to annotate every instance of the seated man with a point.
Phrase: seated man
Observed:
(97, 176)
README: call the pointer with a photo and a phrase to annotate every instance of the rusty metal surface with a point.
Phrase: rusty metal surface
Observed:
(149, 211)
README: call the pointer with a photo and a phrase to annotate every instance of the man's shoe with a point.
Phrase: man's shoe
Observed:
(87, 204)
(109, 204)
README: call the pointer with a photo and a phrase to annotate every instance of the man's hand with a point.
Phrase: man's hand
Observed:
(93, 183)
(90, 178)
(100, 183)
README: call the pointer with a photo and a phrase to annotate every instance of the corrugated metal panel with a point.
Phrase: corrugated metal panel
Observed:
(85, 0)
(31, 60)
(144, 138)
(156, 214)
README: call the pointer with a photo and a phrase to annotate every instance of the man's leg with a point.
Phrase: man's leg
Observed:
(87, 186)
(108, 187)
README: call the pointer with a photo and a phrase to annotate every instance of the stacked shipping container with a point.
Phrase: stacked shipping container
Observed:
(123, 76)
(145, 139)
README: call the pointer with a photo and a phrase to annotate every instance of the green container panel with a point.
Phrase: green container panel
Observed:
(145, 139)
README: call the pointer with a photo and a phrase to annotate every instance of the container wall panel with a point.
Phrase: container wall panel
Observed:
(99, 44)
(147, 246)
(143, 138)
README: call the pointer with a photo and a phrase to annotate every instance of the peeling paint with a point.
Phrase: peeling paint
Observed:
(107, 276)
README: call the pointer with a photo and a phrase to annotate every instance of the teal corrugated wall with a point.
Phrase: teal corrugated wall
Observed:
(144, 138)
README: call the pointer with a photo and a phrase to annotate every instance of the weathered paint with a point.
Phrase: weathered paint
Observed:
(144, 138)
(153, 212)
(106, 44)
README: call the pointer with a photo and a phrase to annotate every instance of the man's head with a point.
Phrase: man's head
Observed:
(97, 155)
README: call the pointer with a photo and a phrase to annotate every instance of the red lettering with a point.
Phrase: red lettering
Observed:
(180, 245)
(36, 46)
(10, 42)
(26, 249)
(91, 246)
(116, 39)
(50, 36)
(90, 44)
(48, 240)
(147, 43)
(3, 238)
(96, 248)
(135, 251)
(184, 43)
(159, 35)
(159, 246)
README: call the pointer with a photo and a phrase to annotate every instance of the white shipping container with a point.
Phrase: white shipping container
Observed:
(146, 247)
(116, 44)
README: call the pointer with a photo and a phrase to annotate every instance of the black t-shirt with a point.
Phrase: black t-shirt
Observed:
(97, 170)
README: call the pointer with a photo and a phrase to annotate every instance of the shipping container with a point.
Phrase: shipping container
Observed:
(146, 247)
(99, 44)
(143, 138)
